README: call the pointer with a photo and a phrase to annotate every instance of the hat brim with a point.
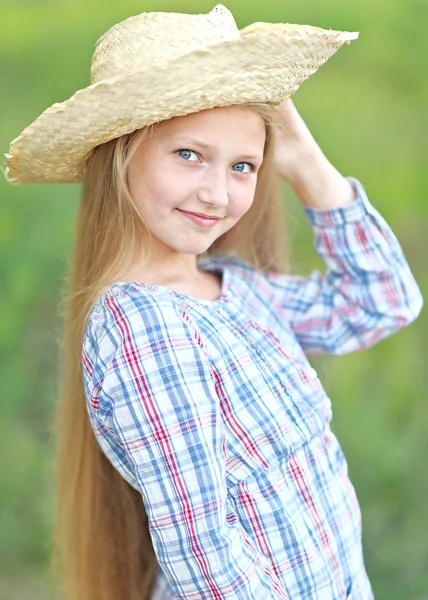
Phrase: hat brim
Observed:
(266, 63)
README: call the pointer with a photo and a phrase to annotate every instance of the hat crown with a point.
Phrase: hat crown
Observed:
(155, 38)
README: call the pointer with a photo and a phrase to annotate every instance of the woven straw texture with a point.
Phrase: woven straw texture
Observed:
(155, 66)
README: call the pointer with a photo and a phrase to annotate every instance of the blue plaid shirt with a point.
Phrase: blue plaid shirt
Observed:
(212, 411)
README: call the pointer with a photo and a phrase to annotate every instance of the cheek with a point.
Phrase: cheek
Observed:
(150, 193)
(243, 200)
(169, 194)
(169, 188)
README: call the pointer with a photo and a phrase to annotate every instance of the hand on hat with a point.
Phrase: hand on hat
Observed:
(300, 161)
(294, 144)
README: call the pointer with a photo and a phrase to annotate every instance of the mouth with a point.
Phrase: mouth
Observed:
(199, 218)
(202, 215)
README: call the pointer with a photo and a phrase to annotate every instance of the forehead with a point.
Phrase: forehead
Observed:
(233, 120)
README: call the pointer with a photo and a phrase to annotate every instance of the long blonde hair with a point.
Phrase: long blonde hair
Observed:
(101, 543)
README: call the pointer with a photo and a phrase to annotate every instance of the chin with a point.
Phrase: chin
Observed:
(195, 246)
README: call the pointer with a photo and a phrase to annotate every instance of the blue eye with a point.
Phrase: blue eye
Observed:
(242, 167)
(186, 154)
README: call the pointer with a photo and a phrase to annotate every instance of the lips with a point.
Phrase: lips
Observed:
(202, 215)
(199, 219)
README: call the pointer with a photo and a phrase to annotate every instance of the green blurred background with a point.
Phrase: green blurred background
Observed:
(367, 108)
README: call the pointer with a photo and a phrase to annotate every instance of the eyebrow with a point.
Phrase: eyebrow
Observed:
(192, 142)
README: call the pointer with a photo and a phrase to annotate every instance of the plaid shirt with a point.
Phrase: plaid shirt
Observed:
(212, 411)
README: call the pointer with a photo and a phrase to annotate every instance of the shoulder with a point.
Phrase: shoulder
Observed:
(128, 311)
(128, 300)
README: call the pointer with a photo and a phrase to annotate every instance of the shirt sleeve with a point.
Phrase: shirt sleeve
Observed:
(368, 291)
(151, 396)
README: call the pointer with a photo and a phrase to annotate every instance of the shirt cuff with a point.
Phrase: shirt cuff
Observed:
(354, 211)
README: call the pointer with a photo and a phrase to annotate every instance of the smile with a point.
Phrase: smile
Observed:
(200, 219)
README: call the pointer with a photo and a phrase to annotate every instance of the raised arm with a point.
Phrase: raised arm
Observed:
(150, 386)
(367, 292)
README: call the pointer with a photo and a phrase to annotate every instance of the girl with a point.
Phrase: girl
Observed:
(195, 456)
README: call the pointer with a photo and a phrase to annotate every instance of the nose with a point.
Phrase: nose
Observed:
(215, 188)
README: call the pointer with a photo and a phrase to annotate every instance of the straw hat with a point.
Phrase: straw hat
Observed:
(158, 65)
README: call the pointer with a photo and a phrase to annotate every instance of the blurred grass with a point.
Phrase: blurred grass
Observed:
(367, 107)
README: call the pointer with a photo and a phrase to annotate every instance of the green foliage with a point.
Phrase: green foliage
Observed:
(367, 109)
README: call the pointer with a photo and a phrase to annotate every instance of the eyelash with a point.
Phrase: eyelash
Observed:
(252, 167)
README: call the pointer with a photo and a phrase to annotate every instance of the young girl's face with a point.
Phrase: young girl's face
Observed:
(203, 163)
